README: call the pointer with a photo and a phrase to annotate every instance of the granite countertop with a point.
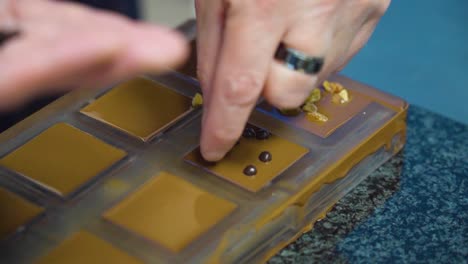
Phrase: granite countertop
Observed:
(412, 209)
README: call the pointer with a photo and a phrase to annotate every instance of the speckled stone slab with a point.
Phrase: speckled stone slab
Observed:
(412, 209)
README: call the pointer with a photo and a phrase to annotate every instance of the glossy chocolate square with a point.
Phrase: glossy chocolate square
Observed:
(338, 114)
(139, 107)
(15, 212)
(247, 153)
(84, 247)
(62, 158)
(170, 211)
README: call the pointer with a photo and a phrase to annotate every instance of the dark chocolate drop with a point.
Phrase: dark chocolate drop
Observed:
(262, 134)
(265, 156)
(250, 170)
(249, 132)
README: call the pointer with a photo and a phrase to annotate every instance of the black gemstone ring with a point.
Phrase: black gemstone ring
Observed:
(299, 61)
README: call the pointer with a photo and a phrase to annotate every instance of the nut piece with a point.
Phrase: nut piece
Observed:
(340, 94)
(332, 87)
(341, 97)
(318, 116)
(309, 107)
(197, 100)
(315, 96)
(344, 95)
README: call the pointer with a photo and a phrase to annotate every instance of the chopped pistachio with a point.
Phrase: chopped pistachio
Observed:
(344, 95)
(336, 99)
(327, 86)
(197, 100)
(309, 107)
(332, 87)
(314, 96)
(341, 97)
(338, 87)
(318, 116)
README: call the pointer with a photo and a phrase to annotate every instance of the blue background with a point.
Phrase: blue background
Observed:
(419, 52)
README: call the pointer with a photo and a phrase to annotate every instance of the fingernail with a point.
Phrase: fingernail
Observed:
(212, 156)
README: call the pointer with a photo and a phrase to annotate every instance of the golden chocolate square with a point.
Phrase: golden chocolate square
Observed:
(84, 247)
(62, 158)
(283, 152)
(139, 107)
(15, 212)
(170, 211)
(338, 114)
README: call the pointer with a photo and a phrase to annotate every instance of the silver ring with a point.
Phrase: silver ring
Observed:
(299, 61)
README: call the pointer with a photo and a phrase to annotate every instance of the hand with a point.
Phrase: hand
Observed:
(68, 45)
(237, 40)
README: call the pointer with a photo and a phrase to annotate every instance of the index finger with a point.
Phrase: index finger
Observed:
(247, 50)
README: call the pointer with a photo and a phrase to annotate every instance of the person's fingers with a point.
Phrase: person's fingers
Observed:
(336, 55)
(140, 56)
(317, 28)
(287, 88)
(29, 66)
(71, 52)
(366, 31)
(7, 15)
(357, 44)
(243, 64)
(210, 19)
(151, 49)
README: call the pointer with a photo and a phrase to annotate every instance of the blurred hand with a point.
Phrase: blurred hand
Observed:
(237, 40)
(69, 45)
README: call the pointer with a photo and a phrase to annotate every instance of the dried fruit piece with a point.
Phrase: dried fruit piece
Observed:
(336, 99)
(315, 96)
(332, 87)
(344, 95)
(341, 97)
(309, 108)
(340, 94)
(197, 100)
(327, 86)
(318, 116)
